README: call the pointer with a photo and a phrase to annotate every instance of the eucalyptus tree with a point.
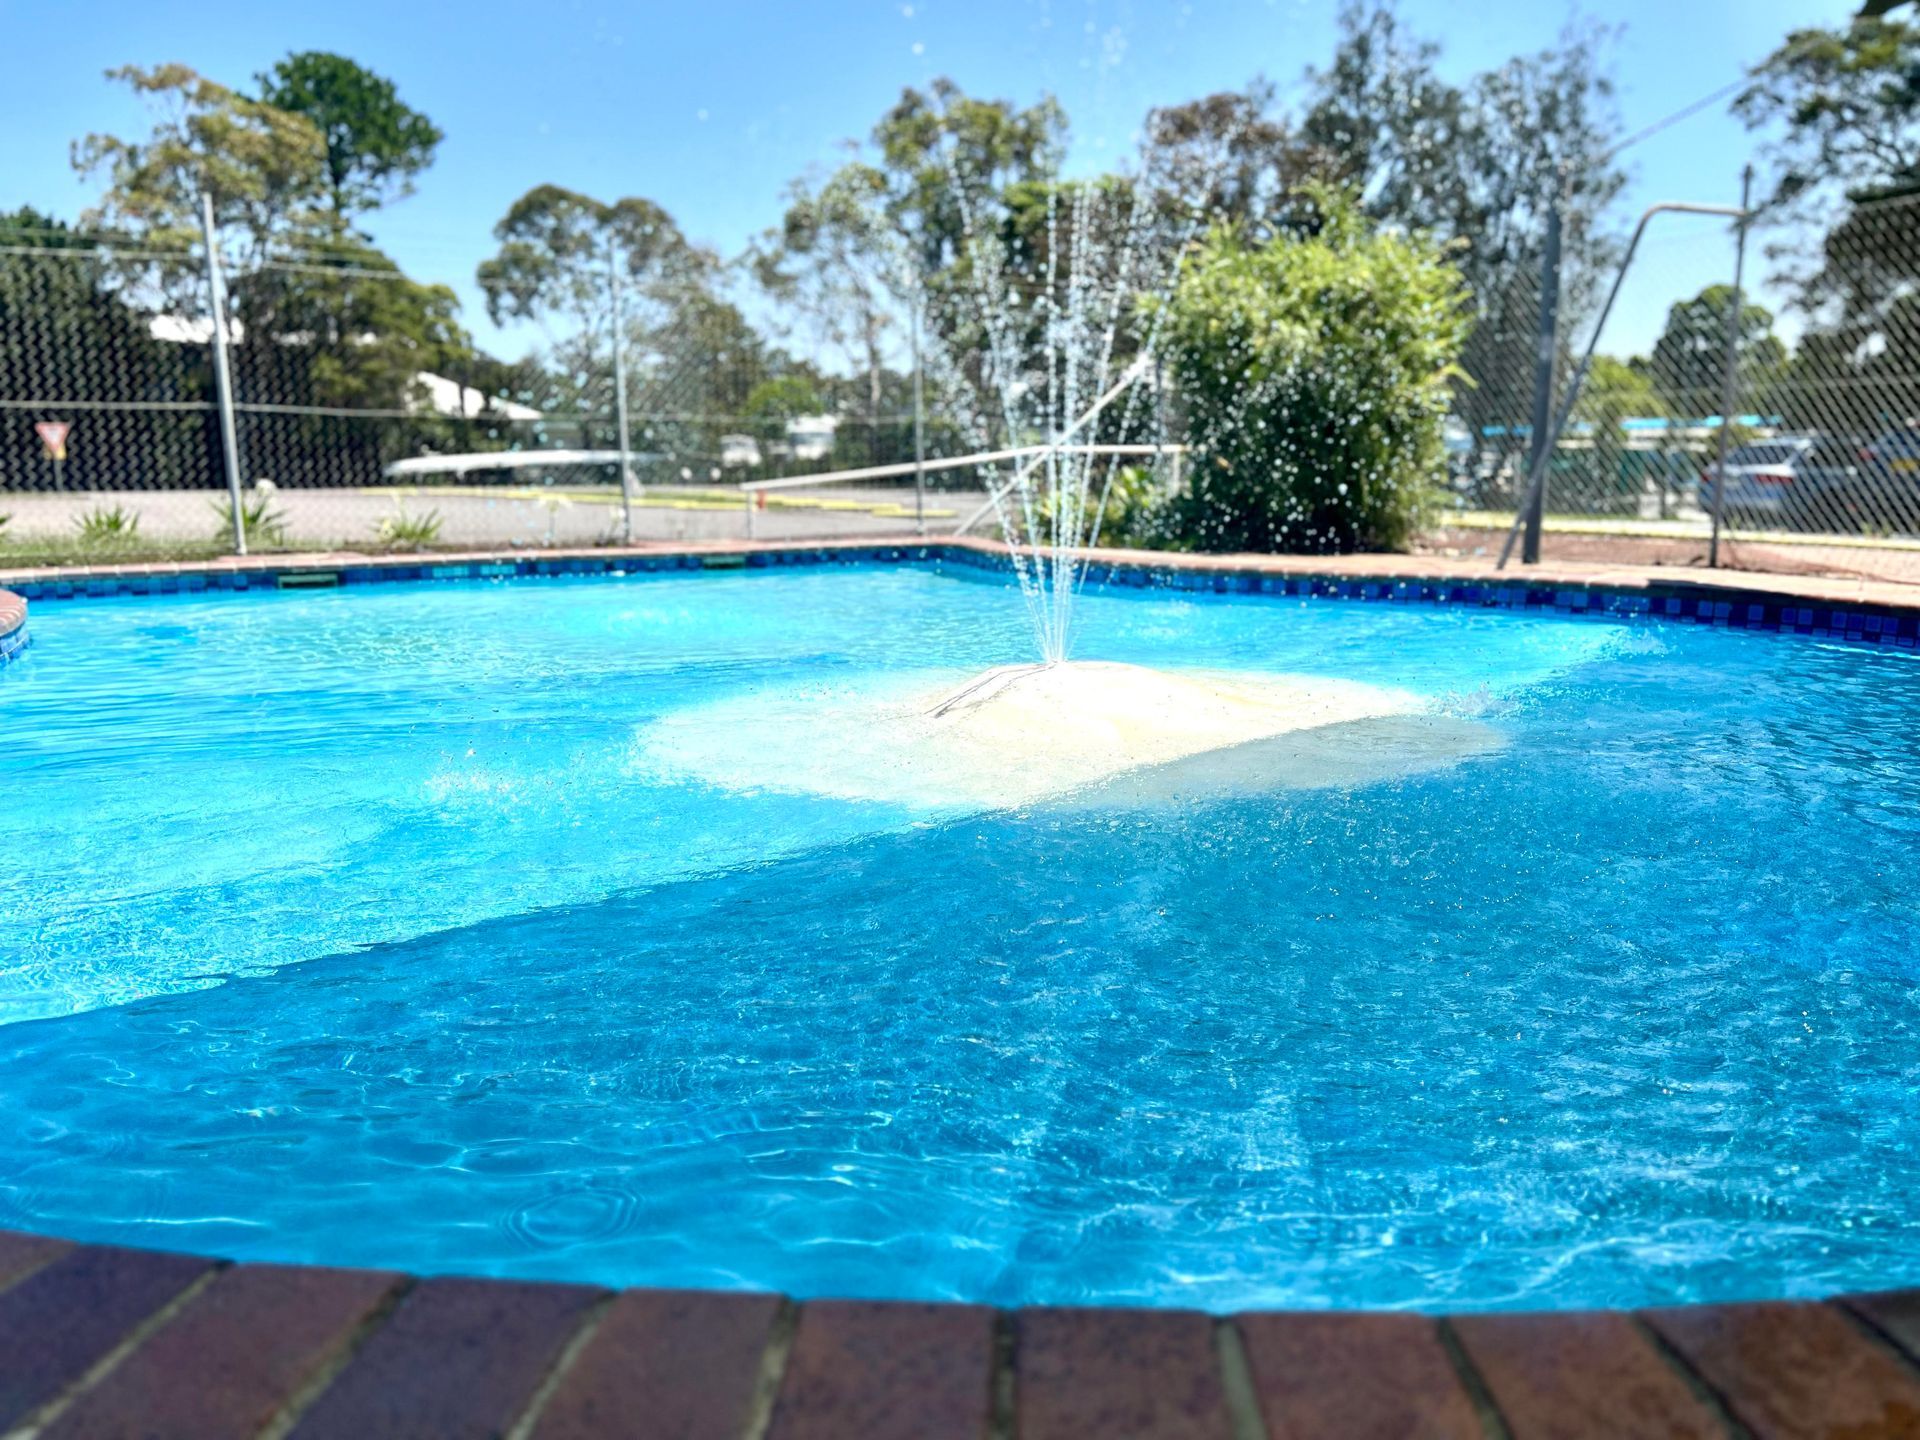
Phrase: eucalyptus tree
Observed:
(376, 144)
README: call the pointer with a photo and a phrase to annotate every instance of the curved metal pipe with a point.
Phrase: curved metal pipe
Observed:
(1538, 479)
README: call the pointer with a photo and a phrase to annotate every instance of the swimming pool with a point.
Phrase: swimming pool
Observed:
(512, 928)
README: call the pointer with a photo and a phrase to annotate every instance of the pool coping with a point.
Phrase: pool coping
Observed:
(107, 1341)
(1861, 611)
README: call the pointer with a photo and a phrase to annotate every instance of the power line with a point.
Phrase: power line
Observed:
(1683, 113)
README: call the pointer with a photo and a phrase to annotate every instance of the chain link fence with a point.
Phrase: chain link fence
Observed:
(1822, 464)
(365, 419)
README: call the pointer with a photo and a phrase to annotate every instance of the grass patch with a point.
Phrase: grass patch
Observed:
(20, 552)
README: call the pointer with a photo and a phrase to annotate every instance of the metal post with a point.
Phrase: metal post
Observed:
(620, 395)
(1542, 437)
(1730, 382)
(222, 375)
(919, 428)
(1536, 482)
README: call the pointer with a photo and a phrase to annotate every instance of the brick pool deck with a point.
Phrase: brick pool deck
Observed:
(98, 1341)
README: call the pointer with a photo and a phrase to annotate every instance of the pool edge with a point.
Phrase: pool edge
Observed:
(115, 1339)
(1873, 612)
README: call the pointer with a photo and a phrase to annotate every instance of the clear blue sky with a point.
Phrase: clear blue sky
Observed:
(712, 107)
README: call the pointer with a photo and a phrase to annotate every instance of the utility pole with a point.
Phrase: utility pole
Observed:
(919, 423)
(620, 394)
(222, 374)
(1541, 438)
(1730, 381)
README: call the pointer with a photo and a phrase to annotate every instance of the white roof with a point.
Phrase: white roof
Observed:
(449, 397)
(507, 460)
(181, 330)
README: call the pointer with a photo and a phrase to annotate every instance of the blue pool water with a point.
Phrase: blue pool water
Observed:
(375, 926)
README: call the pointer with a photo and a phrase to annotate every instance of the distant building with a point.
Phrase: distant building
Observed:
(462, 402)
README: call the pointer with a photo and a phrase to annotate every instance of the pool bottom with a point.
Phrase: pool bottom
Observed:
(753, 1081)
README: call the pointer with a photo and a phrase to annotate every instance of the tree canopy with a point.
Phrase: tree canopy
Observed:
(265, 168)
(375, 145)
(1846, 104)
(556, 245)
(1689, 362)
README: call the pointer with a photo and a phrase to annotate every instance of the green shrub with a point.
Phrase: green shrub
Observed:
(102, 526)
(1135, 515)
(1314, 372)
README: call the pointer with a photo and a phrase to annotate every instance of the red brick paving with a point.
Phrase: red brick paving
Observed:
(224, 1366)
(459, 1360)
(1787, 1370)
(1836, 558)
(66, 1317)
(22, 1253)
(688, 1361)
(1142, 1374)
(1363, 1377)
(887, 1372)
(1894, 1313)
(1581, 1377)
(111, 1344)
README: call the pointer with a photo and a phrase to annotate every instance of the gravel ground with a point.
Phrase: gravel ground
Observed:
(1855, 561)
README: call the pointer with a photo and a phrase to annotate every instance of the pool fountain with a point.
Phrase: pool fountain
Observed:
(1016, 735)
(1045, 358)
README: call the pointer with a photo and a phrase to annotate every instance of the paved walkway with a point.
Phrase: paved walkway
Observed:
(1843, 558)
(99, 1343)
(523, 517)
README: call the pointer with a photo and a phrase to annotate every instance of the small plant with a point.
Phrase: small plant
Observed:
(555, 502)
(260, 523)
(402, 531)
(103, 526)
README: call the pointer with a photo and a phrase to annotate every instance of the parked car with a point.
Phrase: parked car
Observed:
(1760, 476)
(1896, 453)
(739, 452)
(1883, 496)
(1808, 482)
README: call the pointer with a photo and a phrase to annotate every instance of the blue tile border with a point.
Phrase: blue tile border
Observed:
(1680, 602)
